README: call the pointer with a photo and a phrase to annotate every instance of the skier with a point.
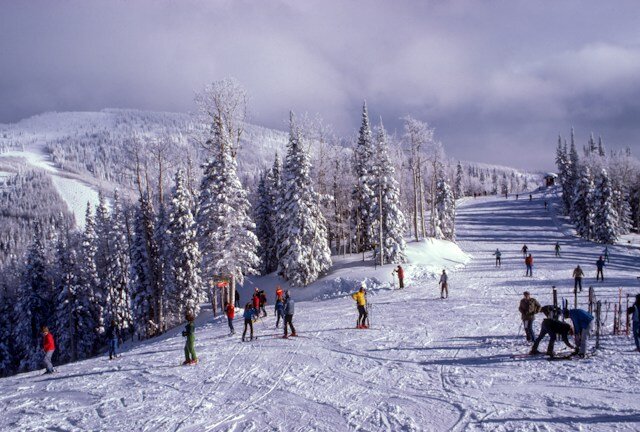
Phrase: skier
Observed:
(605, 252)
(498, 254)
(634, 311)
(444, 289)
(279, 292)
(530, 197)
(545, 205)
(517, 196)
(263, 302)
(582, 323)
(249, 312)
(279, 310)
(289, 307)
(113, 334)
(528, 308)
(577, 278)
(230, 312)
(552, 327)
(48, 346)
(528, 261)
(361, 300)
(237, 299)
(524, 251)
(256, 300)
(400, 272)
(600, 267)
(557, 248)
(190, 357)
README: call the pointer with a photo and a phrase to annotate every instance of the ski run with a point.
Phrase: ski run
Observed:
(425, 364)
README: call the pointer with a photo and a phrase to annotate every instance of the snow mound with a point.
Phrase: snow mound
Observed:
(427, 258)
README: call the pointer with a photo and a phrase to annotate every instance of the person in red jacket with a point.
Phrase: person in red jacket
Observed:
(230, 311)
(400, 272)
(49, 346)
(256, 300)
(528, 261)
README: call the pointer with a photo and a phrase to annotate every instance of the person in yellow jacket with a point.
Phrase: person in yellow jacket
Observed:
(361, 300)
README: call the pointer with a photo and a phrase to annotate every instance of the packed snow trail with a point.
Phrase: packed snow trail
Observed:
(426, 363)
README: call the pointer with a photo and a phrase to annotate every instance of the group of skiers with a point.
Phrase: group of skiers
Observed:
(256, 309)
(582, 324)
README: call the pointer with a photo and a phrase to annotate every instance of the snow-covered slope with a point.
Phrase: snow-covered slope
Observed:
(425, 364)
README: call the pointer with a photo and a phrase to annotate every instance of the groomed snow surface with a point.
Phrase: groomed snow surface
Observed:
(425, 364)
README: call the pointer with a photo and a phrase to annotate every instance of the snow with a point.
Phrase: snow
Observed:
(425, 364)
(74, 191)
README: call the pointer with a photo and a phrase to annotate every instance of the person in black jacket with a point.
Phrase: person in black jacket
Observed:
(113, 335)
(553, 328)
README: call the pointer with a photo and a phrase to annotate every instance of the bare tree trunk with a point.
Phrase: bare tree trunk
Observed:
(381, 227)
(415, 203)
(421, 195)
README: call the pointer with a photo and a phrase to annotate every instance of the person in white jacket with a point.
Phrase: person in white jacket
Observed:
(444, 286)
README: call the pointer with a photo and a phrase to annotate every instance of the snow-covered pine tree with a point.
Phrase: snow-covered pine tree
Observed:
(304, 253)
(446, 208)
(605, 219)
(117, 275)
(504, 184)
(33, 306)
(263, 216)
(582, 212)
(187, 289)
(89, 281)
(387, 204)
(494, 182)
(573, 174)
(458, 191)
(225, 230)
(363, 193)
(621, 204)
(142, 302)
(6, 350)
(274, 187)
(102, 227)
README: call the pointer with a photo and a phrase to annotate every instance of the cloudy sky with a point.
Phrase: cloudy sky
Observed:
(498, 80)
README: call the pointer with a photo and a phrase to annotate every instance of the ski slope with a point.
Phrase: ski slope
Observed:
(426, 364)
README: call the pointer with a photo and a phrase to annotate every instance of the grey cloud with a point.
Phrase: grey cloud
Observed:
(498, 80)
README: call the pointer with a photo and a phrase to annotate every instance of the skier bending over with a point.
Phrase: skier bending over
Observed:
(113, 334)
(634, 311)
(498, 254)
(528, 308)
(279, 310)
(528, 261)
(230, 312)
(600, 267)
(577, 278)
(48, 346)
(289, 308)
(361, 300)
(444, 285)
(248, 314)
(552, 328)
(582, 323)
(190, 357)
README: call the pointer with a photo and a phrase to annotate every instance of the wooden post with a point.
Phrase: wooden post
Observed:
(598, 323)
(615, 319)
(214, 298)
(592, 298)
(627, 315)
(555, 304)
(575, 297)
(619, 310)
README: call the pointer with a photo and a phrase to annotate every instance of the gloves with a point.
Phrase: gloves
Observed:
(184, 333)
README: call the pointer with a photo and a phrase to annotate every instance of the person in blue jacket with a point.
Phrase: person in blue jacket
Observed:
(279, 309)
(582, 323)
(113, 335)
(289, 306)
(249, 313)
(634, 311)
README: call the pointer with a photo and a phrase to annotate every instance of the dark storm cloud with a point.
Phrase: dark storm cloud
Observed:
(498, 80)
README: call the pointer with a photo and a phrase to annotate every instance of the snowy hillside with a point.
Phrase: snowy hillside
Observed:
(425, 364)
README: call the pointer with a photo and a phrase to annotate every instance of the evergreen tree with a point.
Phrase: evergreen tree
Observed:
(446, 208)
(387, 204)
(458, 191)
(582, 211)
(33, 307)
(187, 288)
(605, 216)
(363, 193)
(225, 229)
(6, 324)
(264, 217)
(573, 173)
(142, 302)
(89, 281)
(304, 253)
(117, 276)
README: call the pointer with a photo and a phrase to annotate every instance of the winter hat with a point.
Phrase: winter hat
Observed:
(363, 285)
(526, 293)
